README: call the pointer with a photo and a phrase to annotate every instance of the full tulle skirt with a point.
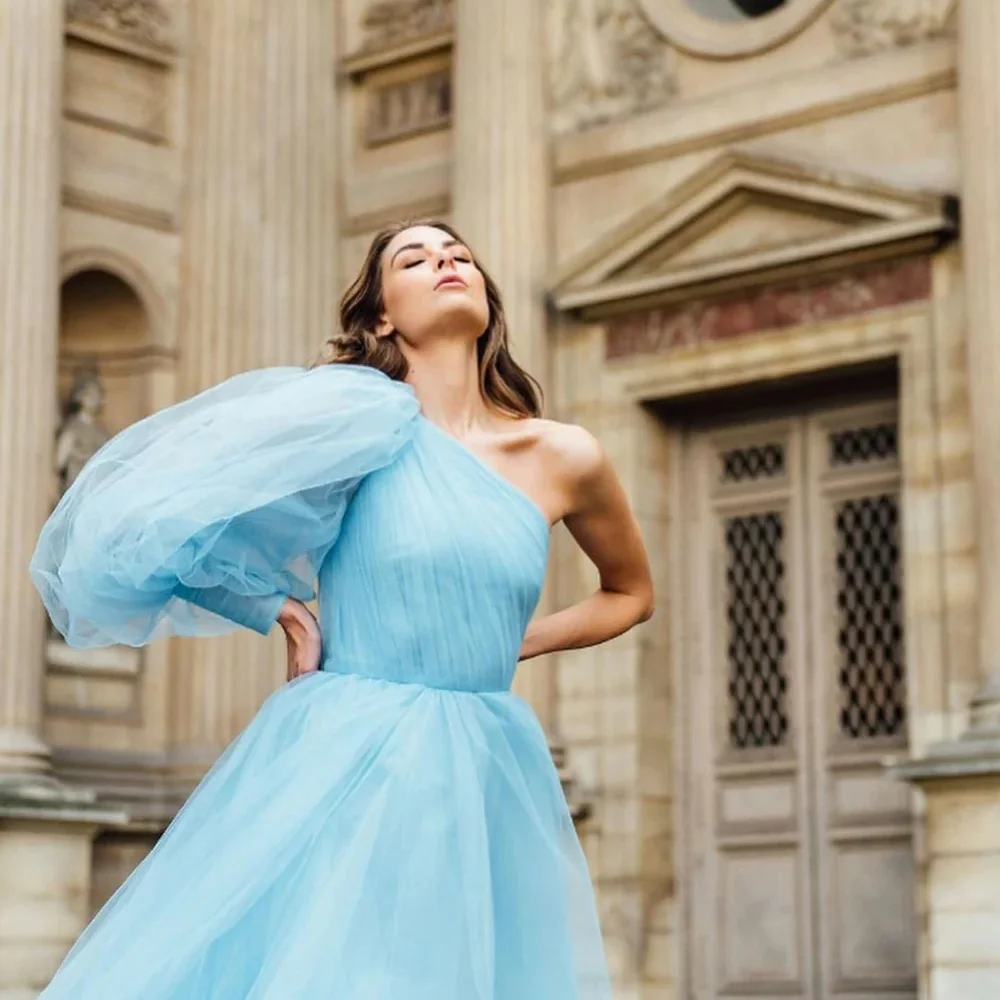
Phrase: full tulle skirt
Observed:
(362, 839)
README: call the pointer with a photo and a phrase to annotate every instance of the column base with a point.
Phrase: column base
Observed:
(960, 780)
(46, 831)
(21, 752)
(984, 709)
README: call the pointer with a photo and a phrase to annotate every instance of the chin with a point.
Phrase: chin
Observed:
(459, 312)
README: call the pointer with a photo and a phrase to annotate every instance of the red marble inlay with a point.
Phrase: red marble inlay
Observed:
(702, 321)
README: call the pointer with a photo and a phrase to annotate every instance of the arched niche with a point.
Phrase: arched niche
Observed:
(108, 361)
(105, 329)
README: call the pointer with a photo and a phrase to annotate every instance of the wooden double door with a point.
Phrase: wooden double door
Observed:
(795, 849)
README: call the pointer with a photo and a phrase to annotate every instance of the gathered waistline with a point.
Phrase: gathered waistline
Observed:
(419, 685)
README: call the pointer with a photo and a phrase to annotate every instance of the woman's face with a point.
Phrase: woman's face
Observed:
(430, 284)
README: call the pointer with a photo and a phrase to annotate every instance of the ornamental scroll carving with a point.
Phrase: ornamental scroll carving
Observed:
(388, 23)
(605, 61)
(145, 21)
(862, 27)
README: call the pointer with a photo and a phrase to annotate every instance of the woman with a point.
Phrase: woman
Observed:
(390, 824)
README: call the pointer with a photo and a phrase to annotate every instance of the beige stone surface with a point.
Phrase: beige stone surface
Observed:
(963, 887)
(45, 874)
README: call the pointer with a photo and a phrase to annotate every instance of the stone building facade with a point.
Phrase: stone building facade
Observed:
(752, 244)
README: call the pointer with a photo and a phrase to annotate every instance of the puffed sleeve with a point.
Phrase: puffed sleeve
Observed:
(209, 513)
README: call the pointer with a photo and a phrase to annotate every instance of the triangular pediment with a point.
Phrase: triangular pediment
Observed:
(747, 219)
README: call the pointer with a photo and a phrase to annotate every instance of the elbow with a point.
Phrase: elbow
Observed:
(646, 607)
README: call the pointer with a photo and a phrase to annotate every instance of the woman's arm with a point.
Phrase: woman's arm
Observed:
(597, 513)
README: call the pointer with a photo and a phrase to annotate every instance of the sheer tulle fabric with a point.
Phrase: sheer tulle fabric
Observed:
(237, 492)
(392, 826)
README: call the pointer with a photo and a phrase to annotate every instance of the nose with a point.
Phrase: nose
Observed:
(445, 258)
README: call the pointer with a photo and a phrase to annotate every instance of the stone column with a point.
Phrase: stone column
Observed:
(501, 189)
(45, 828)
(961, 778)
(31, 47)
(259, 278)
(979, 99)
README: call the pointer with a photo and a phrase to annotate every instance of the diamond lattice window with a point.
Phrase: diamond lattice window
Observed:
(756, 647)
(745, 465)
(869, 611)
(875, 443)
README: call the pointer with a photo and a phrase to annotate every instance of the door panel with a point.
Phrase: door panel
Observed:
(798, 868)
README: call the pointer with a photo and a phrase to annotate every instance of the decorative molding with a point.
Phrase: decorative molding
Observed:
(124, 211)
(862, 27)
(148, 22)
(802, 303)
(771, 106)
(748, 220)
(405, 108)
(393, 23)
(606, 61)
(709, 37)
(110, 661)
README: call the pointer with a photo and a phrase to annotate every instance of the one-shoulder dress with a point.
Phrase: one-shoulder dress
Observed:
(388, 828)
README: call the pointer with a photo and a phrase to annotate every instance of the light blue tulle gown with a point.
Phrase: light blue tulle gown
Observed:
(392, 827)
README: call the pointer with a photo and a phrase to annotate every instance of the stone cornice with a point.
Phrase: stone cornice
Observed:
(657, 256)
(959, 759)
(399, 31)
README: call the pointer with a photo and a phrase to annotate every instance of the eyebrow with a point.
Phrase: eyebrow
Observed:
(423, 246)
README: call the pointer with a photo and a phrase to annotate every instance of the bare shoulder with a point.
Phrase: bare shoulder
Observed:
(571, 450)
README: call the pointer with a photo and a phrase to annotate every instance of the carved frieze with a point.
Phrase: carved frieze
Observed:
(605, 61)
(409, 107)
(658, 331)
(389, 23)
(862, 27)
(148, 22)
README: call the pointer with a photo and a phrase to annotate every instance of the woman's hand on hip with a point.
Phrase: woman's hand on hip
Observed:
(302, 637)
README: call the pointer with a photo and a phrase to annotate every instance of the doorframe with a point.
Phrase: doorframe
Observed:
(925, 340)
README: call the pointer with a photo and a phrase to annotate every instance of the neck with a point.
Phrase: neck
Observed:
(445, 376)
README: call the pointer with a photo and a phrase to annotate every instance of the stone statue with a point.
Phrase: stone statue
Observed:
(81, 432)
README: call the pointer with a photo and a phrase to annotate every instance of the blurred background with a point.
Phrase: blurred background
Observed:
(727, 232)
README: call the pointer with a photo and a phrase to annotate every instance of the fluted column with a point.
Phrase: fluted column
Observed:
(979, 99)
(501, 149)
(31, 47)
(260, 277)
(501, 188)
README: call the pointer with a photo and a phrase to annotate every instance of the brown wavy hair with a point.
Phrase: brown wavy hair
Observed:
(504, 384)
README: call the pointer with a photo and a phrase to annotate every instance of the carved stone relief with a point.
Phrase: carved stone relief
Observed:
(145, 21)
(408, 107)
(662, 330)
(394, 22)
(605, 61)
(862, 27)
